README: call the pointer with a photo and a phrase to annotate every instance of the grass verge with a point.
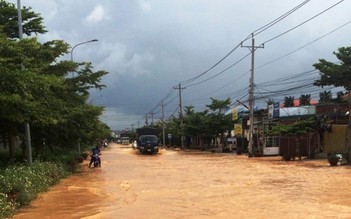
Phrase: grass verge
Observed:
(21, 183)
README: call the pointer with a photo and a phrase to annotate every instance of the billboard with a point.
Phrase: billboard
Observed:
(238, 129)
(235, 113)
(273, 111)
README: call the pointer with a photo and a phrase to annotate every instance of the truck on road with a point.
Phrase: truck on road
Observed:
(125, 140)
(147, 140)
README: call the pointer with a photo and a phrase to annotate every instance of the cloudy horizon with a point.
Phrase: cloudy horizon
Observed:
(150, 46)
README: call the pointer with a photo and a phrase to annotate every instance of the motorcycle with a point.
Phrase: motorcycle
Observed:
(96, 160)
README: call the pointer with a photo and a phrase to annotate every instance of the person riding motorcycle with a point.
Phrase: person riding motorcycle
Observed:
(95, 152)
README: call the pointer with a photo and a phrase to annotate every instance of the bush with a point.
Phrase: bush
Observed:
(20, 184)
(7, 207)
(69, 158)
(85, 155)
(6, 161)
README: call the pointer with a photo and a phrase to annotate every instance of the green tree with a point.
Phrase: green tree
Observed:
(339, 97)
(218, 121)
(325, 97)
(219, 106)
(42, 94)
(208, 124)
(338, 75)
(289, 101)
(32, 23)
(305, 99)
(173, 127)
(195, 124)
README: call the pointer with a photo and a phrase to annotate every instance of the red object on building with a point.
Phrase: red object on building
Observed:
(297, 103)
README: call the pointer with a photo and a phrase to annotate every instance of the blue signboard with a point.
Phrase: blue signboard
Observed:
(276, 110)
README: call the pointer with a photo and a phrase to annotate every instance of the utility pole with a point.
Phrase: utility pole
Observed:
(251, 97)
(163, 126)
(181, 113)
(146, 122)
(26, 126)
(152, 117)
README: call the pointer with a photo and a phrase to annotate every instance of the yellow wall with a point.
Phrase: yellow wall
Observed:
(335, 141)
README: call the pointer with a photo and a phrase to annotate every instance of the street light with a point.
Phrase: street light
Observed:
(90, 41)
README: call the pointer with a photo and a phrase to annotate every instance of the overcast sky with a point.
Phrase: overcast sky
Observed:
(150, 46)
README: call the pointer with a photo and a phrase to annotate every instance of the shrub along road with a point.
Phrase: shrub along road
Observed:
(193, 184)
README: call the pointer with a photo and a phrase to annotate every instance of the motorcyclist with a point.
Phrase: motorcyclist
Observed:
(95, 151)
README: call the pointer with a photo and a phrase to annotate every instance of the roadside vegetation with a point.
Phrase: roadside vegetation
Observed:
(47, 95)
(21, 183)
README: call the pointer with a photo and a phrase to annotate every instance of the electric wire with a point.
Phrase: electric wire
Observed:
(231, 82)
(221, 72)
(301, 47)
(259, 30)
(275, 21)
(217, 63)
(274, 60)
(160, 103)
(267, 41)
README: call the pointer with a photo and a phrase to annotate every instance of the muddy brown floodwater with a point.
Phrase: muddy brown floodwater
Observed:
(178, 184)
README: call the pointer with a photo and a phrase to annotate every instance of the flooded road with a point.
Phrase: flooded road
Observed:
(177, 184)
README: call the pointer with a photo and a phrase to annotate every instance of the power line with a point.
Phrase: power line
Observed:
(301, 47)
(267, 41)
(269, 62)
(256, 32)
(168, 95)
(203, 73)
(190, 85)
(275, 21)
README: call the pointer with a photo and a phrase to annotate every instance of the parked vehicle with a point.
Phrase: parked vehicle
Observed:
(147, 140)
(230, 145)
(125, 140)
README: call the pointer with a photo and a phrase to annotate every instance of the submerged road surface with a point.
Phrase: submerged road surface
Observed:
(178, 184)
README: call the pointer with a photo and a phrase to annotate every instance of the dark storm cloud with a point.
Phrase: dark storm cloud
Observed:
(149, 46)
